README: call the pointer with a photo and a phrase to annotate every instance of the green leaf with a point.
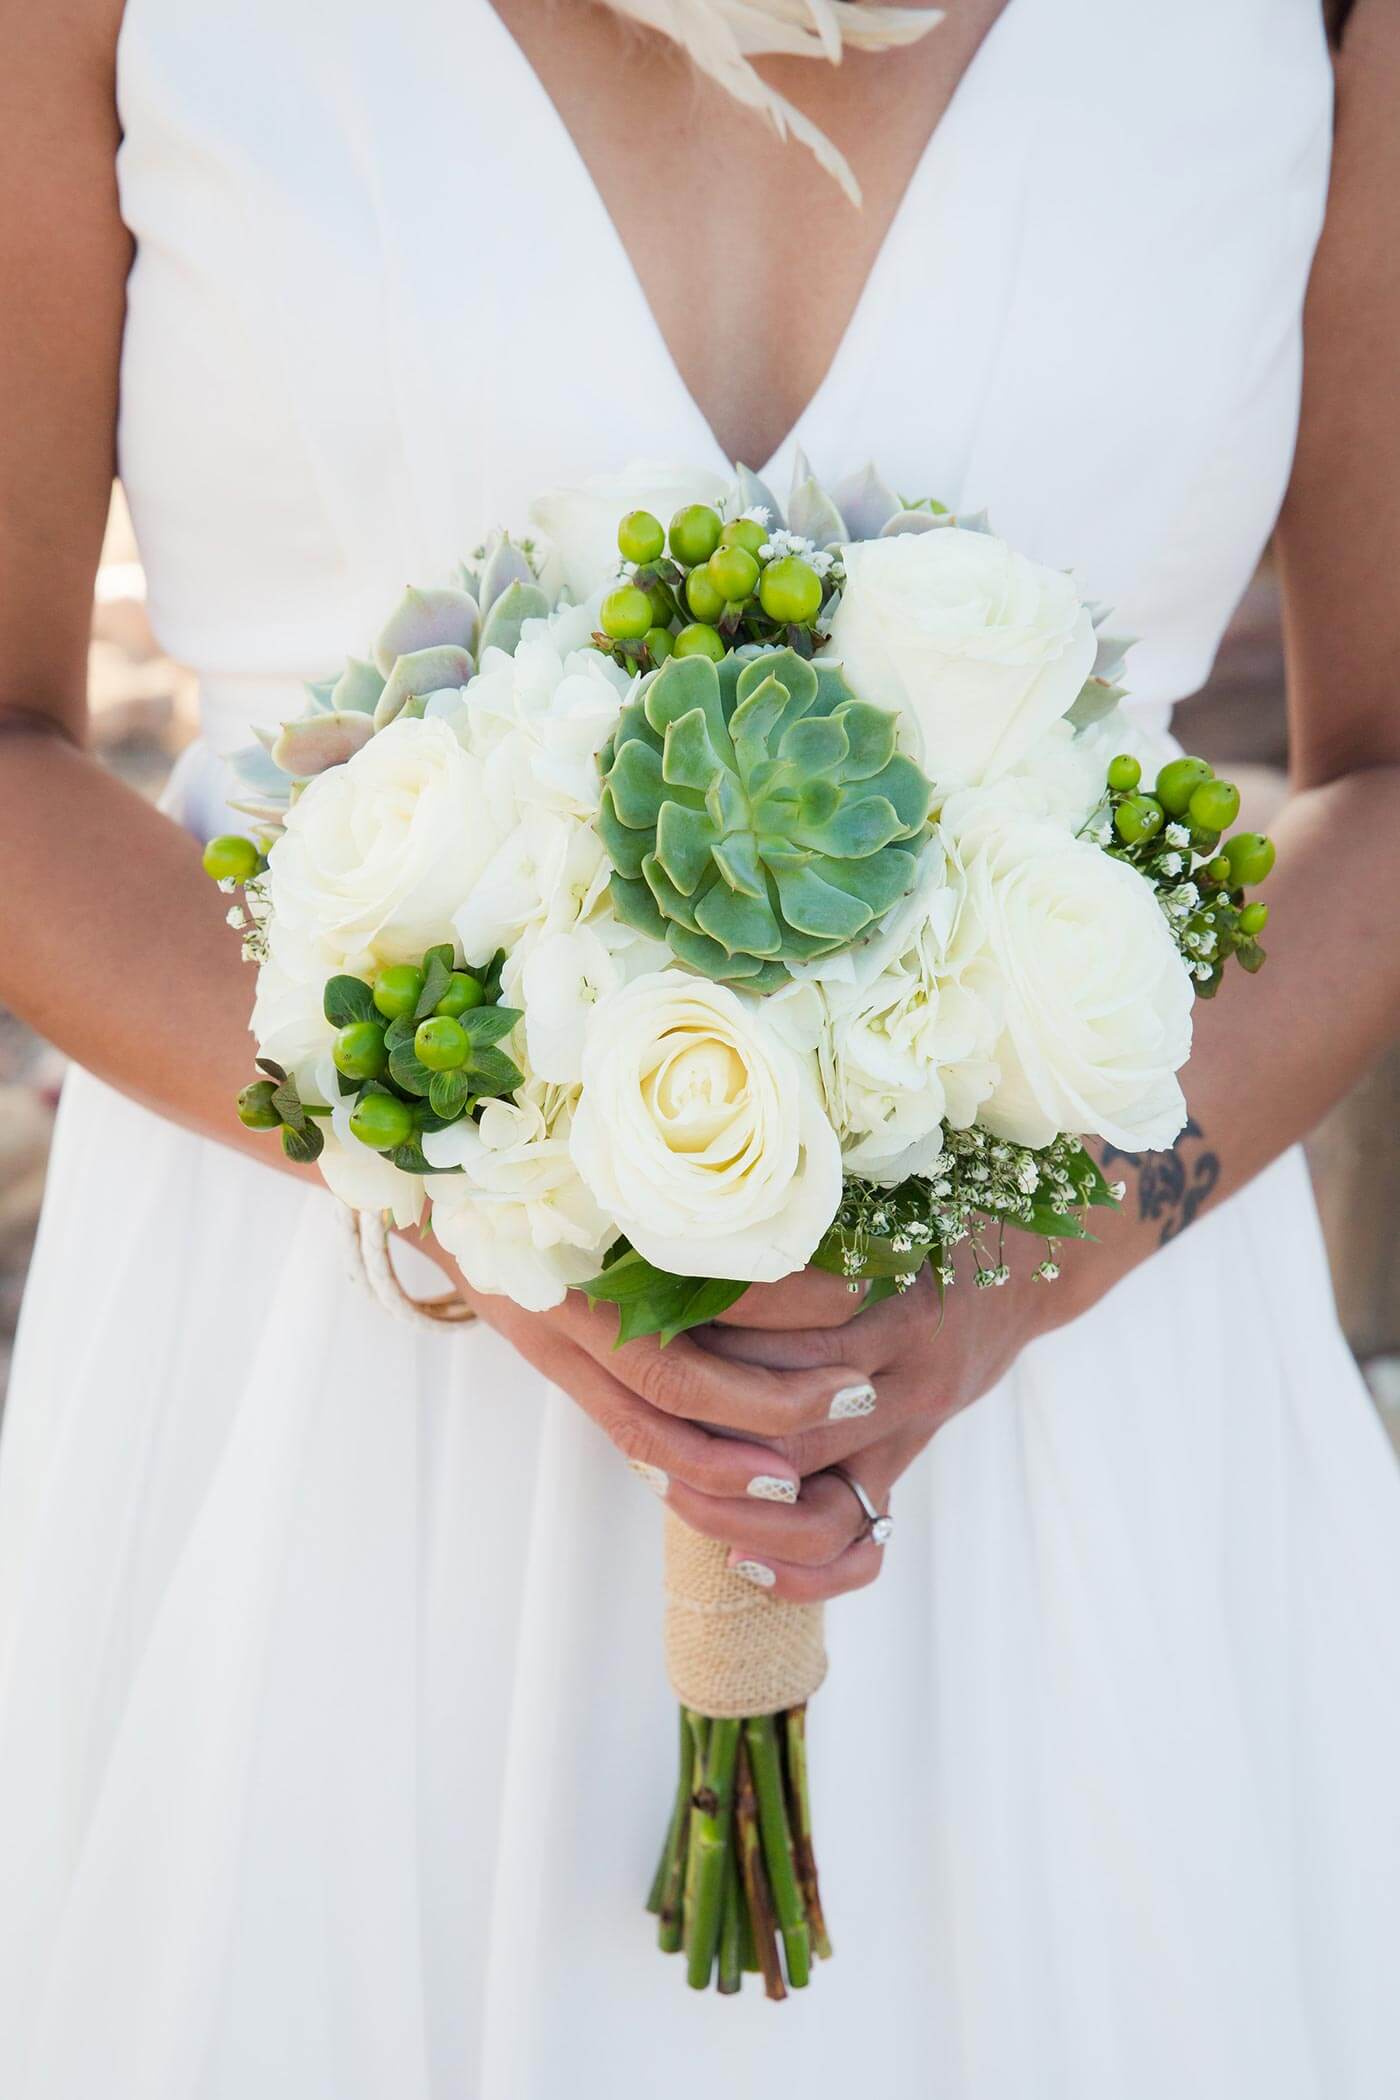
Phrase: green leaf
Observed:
(412, 1159)
(492, 1072)
(436, 972)
(1046, 1222)
(304, 1145)
(1084, 1169)
(880, 1259)
(287, 1103)
(651, 1301)
(488, 1024)
(348, 999)
(449, 1093)
(265, 1064)
(408, 1071)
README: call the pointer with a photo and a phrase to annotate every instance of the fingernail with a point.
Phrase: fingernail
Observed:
(651, 1476)
(754, 1571)
(852, 1400)
(766, 1487)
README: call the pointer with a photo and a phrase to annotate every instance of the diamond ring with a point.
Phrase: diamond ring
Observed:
(879, 1524)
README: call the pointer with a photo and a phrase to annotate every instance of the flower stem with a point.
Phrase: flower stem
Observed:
(679, 1807)
(711, 1813)
(761, 1737)
(795, 1728)
(731, 1966)
(670, 1927)
(759, 1906)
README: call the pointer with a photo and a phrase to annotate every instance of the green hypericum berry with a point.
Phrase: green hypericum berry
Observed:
(790, 591)
(358, 1050)
(1251, 856)
(255, 1109)
(705, 600)
(1124, 774)
(397, 990)
(381, 1121)
(441, 1044)
(463, 993)
(746, 533)
(1253, 919)
(659, 643)
(1178, 781)
(1218, 869)
(626, 613)
(640, 537)
(733, 572)
(1137, 819)
(230, 858)
(698, 640)
(694, 534)
(1214, 805)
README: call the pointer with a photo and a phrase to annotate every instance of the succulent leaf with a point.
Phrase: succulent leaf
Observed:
(517, 603)
(357, 689)
(426, 620)
(422, 672)
(318, 742)
(504, 565)
(756, 813)
(866, 502)
(753, 493)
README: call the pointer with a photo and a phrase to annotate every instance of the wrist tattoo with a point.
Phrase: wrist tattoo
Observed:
(1172, 1187)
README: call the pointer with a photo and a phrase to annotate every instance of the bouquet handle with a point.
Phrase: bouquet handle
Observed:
(731, 1651)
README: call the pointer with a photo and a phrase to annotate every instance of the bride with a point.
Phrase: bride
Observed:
(330, 1694)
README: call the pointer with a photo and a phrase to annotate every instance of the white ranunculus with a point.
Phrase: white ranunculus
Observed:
(539, 718)
(978, 648)
(702, 1131)
(906, 1041)
(1095, 1002)
(581, 521)
(518, 1218)
(379, 853)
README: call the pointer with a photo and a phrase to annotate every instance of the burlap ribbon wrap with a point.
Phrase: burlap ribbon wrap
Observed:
(731, 1650)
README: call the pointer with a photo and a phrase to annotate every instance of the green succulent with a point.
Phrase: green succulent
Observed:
(757, 813)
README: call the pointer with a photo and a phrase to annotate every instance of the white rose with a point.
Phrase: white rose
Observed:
(702, 1132)
(1094, 1000)
(364, 1179)
(379, 853)
(907, 1041)
(518, 1218)
(581, 521)
(978, 648)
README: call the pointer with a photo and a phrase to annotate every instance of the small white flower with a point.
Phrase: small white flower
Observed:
(1177, 835)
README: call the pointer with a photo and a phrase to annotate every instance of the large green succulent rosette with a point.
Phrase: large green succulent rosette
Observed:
(758, 814)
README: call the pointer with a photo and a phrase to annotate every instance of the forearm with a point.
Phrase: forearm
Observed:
(1274, 1052)
(113, 941)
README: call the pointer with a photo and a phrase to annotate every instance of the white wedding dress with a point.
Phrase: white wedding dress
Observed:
(334, 1739)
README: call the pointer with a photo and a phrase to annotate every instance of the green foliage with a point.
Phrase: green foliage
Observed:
(652, 1301)
(757, 814)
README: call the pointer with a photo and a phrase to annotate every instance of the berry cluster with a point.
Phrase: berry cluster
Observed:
(700, 587)
(1175, 837)
(417, 1048)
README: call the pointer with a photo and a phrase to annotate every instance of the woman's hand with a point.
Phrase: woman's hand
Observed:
(906, 1374)
(693, 1424)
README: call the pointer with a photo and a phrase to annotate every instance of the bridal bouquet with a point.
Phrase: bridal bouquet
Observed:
(664, 907)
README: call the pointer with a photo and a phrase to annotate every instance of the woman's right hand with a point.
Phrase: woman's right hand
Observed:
(680, 1411)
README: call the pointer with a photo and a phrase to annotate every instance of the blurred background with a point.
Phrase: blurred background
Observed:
(144, 713)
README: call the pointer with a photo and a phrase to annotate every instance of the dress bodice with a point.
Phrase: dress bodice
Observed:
(377, 304)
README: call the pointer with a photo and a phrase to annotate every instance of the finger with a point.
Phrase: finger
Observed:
(882, 1335)
(809, 1298)
(684, 1379)
(660, 1447)
(859, 1445)
(814, 1531)
(852, 1570)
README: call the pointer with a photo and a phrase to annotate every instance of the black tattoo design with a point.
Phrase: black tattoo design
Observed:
(1168, 1187)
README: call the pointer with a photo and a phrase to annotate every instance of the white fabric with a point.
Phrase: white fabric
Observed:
(334, 1738)
(723, 36)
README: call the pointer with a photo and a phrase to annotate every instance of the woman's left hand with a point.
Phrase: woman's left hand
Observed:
(918, 1373)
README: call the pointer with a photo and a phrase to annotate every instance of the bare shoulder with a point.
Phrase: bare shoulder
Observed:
(1339, 535)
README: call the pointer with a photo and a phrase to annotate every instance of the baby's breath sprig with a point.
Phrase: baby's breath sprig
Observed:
(981, 1184)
